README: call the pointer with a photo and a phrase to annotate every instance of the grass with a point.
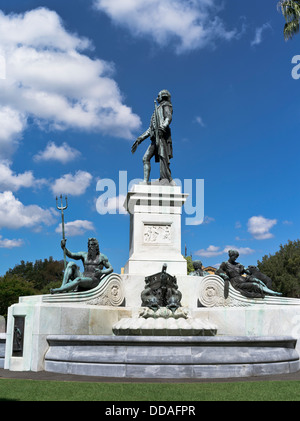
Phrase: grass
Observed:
(40, 390)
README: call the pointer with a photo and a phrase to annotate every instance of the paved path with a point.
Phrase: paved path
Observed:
(44, 375)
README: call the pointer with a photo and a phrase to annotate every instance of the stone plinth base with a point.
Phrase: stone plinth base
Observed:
(155, 229)
(97, 312)
(171, 357)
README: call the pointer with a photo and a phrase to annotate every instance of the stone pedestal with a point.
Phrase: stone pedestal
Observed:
(155, 229)
(172, 357)
(91, 312)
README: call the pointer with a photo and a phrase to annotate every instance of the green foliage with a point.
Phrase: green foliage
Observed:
(291, 12)
(190, 267)
(11, 288)
(41, 273)
(284, 269)
(29, 279)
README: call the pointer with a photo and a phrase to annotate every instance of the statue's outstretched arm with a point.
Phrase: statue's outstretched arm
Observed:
(140, 139)
(144, 136)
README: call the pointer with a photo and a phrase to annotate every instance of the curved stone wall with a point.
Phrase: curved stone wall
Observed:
(171, 357)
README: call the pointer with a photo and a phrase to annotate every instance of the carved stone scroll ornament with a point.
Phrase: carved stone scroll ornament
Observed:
(109, 292)
(212, 293)
(112, 295)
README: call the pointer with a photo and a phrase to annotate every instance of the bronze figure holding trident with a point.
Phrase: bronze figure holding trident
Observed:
(96, 265)
(62, 208)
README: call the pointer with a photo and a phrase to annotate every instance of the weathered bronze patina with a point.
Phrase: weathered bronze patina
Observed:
(161, 290)
(160, 135)
(96, 266)
(242, 279)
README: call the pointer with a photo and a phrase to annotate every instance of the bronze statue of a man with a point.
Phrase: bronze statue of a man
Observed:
(96, 266)
(160, 135)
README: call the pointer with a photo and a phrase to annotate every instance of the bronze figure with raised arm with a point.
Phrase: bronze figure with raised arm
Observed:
(96, 266)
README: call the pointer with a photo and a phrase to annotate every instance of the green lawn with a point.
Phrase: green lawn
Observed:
(40, 390)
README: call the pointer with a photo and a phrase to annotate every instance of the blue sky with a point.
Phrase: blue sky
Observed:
(77, 84)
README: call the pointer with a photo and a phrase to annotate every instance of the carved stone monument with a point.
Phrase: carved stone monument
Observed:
(155, 228)
(153, 320)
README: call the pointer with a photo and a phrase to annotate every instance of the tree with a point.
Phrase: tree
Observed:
(29, 279)
(190, 267)
(284, 269)
(11, 288)
(42, 274)
(291, 12)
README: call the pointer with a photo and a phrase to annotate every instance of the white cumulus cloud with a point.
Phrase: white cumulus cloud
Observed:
(14, 214)
(13, 122)
(189, 24)
(242, 250)
(9, 180)
(74, 228)
(213, 251)
(50, 79)
(259, 227)
(52, 152)
(75, 185)
(6, 243)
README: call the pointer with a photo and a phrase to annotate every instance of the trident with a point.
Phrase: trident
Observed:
(62, 208)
